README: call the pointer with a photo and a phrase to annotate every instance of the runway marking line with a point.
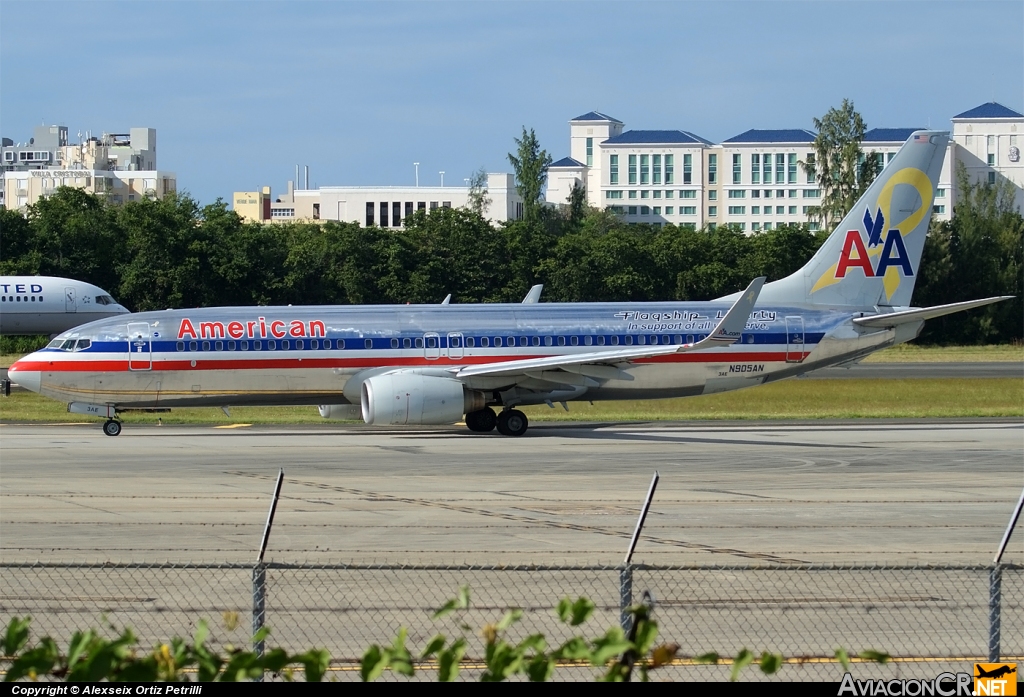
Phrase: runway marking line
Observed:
(234, 426)
(372, 496)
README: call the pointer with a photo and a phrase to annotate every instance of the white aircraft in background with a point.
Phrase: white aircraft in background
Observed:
(435, 364)
(50, 305)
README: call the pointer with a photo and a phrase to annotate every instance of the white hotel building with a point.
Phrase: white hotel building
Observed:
(755, 180)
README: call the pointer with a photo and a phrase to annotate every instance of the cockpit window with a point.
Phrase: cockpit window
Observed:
(55, 343)
(68, 345)
(105, 300)
(83, 344)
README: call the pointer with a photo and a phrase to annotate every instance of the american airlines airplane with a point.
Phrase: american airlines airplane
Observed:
(48, 305)
(438, 364)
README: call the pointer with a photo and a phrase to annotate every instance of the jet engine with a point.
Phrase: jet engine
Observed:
(341, 411)
(402, 398)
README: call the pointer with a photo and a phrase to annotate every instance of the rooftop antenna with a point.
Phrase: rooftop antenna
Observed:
(417, 166)
(442, 178)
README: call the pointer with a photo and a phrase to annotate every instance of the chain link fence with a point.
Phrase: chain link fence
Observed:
(929, 618)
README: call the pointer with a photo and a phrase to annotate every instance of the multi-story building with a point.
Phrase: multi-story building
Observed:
(384, 206)
(649, 176)
(761, 183)
(119, 166)
(988, 145)
(756, 180)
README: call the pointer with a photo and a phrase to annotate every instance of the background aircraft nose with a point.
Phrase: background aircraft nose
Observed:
(29, 379)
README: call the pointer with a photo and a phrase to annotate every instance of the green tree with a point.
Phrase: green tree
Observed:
(168, 254)
(530, 164)
(478, 199)
(455, 251)
(842, 171)
(978, 253)
(578, 205)
(18, 252)
(76, 236)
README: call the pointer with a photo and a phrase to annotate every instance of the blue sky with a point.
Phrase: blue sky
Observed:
(241, 92)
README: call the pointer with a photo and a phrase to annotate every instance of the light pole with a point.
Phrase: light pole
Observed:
(417, 166)
(442, 177)
(466, 179)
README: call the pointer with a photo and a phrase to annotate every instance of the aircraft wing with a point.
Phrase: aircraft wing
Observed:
(892, 319)
(727, 331)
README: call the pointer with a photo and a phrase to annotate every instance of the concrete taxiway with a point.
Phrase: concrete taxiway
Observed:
(858, 491)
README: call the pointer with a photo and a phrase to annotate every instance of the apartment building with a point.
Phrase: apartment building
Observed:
(119, 166)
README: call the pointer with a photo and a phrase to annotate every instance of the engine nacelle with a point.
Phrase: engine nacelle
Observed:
(351, 412)
(402, 398)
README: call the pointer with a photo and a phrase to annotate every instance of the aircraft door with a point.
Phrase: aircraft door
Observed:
(70, 300)
(794, 339)
(456, 346)
(431, 346)
(140, 346)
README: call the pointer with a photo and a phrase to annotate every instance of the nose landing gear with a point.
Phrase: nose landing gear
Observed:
(112, 427)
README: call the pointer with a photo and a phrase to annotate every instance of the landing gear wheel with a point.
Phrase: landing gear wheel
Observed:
(112, 428)
(512, 422)
(482, 420)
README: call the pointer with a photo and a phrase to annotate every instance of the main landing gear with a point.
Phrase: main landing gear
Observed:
(481, 421)
(510, 422)
(112, 427)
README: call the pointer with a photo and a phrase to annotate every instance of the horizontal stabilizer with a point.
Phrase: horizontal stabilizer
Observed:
(893, 319)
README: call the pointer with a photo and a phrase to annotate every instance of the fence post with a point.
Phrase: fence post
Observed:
(625, 595)
(995, 579)
(259, 607)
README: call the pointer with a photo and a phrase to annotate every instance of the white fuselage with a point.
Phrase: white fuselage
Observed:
(50, 305)
(318, 355)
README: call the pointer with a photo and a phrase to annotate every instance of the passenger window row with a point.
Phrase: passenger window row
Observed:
(429, 342)
(20, 299)
(434, 342)
(257, 345)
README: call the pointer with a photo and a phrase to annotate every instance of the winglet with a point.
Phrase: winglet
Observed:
(534, 295)
(731, 327)
(447, 299)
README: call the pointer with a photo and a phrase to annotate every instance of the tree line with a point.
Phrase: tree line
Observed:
(155, 254)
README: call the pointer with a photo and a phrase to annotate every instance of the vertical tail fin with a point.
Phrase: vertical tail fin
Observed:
(872, 258)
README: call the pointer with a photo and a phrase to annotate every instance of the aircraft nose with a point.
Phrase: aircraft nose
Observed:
(21, 375)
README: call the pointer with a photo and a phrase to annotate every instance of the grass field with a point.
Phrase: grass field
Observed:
(911, 353)
(788, 399)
